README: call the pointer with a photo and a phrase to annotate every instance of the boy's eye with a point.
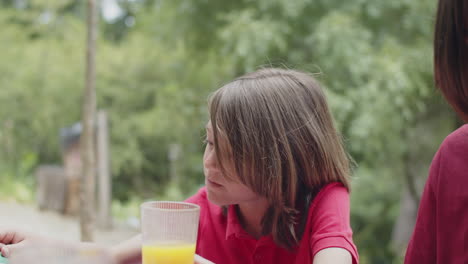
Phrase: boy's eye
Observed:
(207, 142)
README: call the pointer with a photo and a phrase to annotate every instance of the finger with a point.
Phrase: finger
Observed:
(201, 260)
(8, 236)
(1, 249)
(8, 250)
(4, 251)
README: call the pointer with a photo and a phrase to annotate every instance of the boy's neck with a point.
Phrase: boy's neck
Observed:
(250, 216)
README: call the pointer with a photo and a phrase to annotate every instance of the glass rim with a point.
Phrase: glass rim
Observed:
(147, 205)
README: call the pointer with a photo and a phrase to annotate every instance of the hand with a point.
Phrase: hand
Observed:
(13, 240)
(21, 246)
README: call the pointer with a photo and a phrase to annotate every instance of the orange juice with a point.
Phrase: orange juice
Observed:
(168, 254)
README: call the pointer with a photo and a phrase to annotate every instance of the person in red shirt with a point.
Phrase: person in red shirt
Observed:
(441, 231)
(276, 177)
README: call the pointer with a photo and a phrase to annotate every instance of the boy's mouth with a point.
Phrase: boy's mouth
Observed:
(213, 183)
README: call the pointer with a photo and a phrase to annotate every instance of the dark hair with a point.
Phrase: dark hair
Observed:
(451, 53)
(282, 142)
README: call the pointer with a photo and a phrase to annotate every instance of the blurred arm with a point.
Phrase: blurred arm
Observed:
(128, 252)
(333, 256)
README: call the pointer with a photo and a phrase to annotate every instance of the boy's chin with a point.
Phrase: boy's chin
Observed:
(217, 200)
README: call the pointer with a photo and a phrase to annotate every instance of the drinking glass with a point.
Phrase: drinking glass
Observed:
(169, 232)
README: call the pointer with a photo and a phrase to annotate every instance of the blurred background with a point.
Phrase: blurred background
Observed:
(157, 62)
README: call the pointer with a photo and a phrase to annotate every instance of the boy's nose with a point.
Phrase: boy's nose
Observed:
(211, 160)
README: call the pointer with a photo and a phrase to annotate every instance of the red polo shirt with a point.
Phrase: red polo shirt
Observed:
(222, 239)
(441, 231)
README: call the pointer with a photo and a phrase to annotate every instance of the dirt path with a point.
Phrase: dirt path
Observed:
(29, 218)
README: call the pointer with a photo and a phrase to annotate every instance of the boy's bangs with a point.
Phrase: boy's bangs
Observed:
(222, 115)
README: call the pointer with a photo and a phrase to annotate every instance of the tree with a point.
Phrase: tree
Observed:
(88, 136)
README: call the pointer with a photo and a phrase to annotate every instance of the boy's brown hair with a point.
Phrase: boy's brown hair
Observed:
(282, 142)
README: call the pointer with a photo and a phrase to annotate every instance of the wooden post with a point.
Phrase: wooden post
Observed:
(104, 177)
(87, 143)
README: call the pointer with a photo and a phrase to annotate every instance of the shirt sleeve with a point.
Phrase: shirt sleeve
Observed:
(330, 219)
(422, 246)
(199, 199)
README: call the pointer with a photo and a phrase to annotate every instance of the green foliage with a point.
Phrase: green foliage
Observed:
(16, 181)
(374, 198)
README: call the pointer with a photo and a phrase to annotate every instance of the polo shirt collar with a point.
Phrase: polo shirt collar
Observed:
(234, 228)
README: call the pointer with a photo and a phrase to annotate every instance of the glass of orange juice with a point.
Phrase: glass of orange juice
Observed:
(169, 232)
